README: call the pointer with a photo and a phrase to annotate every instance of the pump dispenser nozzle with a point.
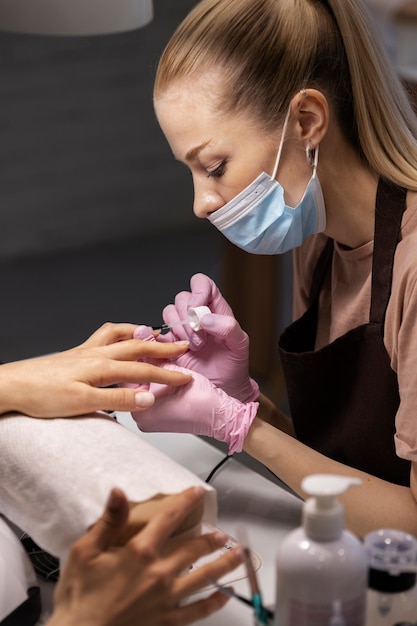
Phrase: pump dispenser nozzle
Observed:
(323, 515)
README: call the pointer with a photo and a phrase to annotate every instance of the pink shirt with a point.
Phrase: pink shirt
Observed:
(345, 302)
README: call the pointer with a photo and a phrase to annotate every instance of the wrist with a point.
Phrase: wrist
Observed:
(6, 388)
(269, 413)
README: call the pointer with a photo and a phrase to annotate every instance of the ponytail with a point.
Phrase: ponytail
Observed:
(268, 50)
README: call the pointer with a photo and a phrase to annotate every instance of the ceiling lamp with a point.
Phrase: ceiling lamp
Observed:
(73, 17)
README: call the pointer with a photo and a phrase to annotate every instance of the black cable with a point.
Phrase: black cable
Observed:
(217, 467)
(45, 565)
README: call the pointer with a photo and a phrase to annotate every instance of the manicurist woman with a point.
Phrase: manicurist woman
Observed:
(299, 136)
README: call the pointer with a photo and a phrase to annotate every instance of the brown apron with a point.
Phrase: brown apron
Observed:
(344, 397)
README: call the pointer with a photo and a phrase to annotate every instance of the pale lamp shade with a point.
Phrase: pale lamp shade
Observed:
(73, 17)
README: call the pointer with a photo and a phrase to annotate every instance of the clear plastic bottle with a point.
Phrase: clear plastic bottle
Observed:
(322, 569)
(392, 591)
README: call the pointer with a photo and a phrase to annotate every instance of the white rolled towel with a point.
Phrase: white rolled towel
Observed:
(56, 474)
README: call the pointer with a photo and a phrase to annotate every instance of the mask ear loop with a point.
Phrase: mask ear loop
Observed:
(281, 143)
(312, 154)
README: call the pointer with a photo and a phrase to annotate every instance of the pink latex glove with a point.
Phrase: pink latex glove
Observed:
(198, 408)
(220, 351)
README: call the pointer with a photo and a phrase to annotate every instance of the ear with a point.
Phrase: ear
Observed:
(310, 111)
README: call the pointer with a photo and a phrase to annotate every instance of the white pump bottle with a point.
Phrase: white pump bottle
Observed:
(322, 569)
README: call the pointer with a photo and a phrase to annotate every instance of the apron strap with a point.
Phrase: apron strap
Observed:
(389, 209)
(320, 271)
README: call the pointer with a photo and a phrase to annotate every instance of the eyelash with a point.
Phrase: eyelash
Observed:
(218, 172)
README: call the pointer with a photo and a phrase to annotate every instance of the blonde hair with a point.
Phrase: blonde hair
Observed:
(268, 50)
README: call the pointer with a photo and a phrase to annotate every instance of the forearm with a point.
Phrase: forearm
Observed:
(375, 504)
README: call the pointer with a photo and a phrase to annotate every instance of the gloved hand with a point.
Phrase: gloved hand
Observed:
(220, 351)
(198, 408)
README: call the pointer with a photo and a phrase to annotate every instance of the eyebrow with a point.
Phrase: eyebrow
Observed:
(194, 152)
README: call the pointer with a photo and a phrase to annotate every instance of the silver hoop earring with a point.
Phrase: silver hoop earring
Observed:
(310, 154)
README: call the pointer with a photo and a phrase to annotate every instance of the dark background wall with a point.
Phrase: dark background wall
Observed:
(95, 214)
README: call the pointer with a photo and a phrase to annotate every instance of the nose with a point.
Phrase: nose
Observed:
(206, 199)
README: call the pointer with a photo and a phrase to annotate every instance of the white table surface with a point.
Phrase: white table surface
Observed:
(265, 510)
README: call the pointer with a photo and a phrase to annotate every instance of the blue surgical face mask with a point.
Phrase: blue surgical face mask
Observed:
(258, 220)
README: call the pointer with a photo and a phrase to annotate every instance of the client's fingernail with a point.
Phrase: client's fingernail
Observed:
(182, 343)
(143, 332)
(144, 399)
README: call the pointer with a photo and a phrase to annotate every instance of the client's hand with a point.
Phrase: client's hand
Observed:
(105, 585)
(75, 382)
(199, 408)
(220, 351)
